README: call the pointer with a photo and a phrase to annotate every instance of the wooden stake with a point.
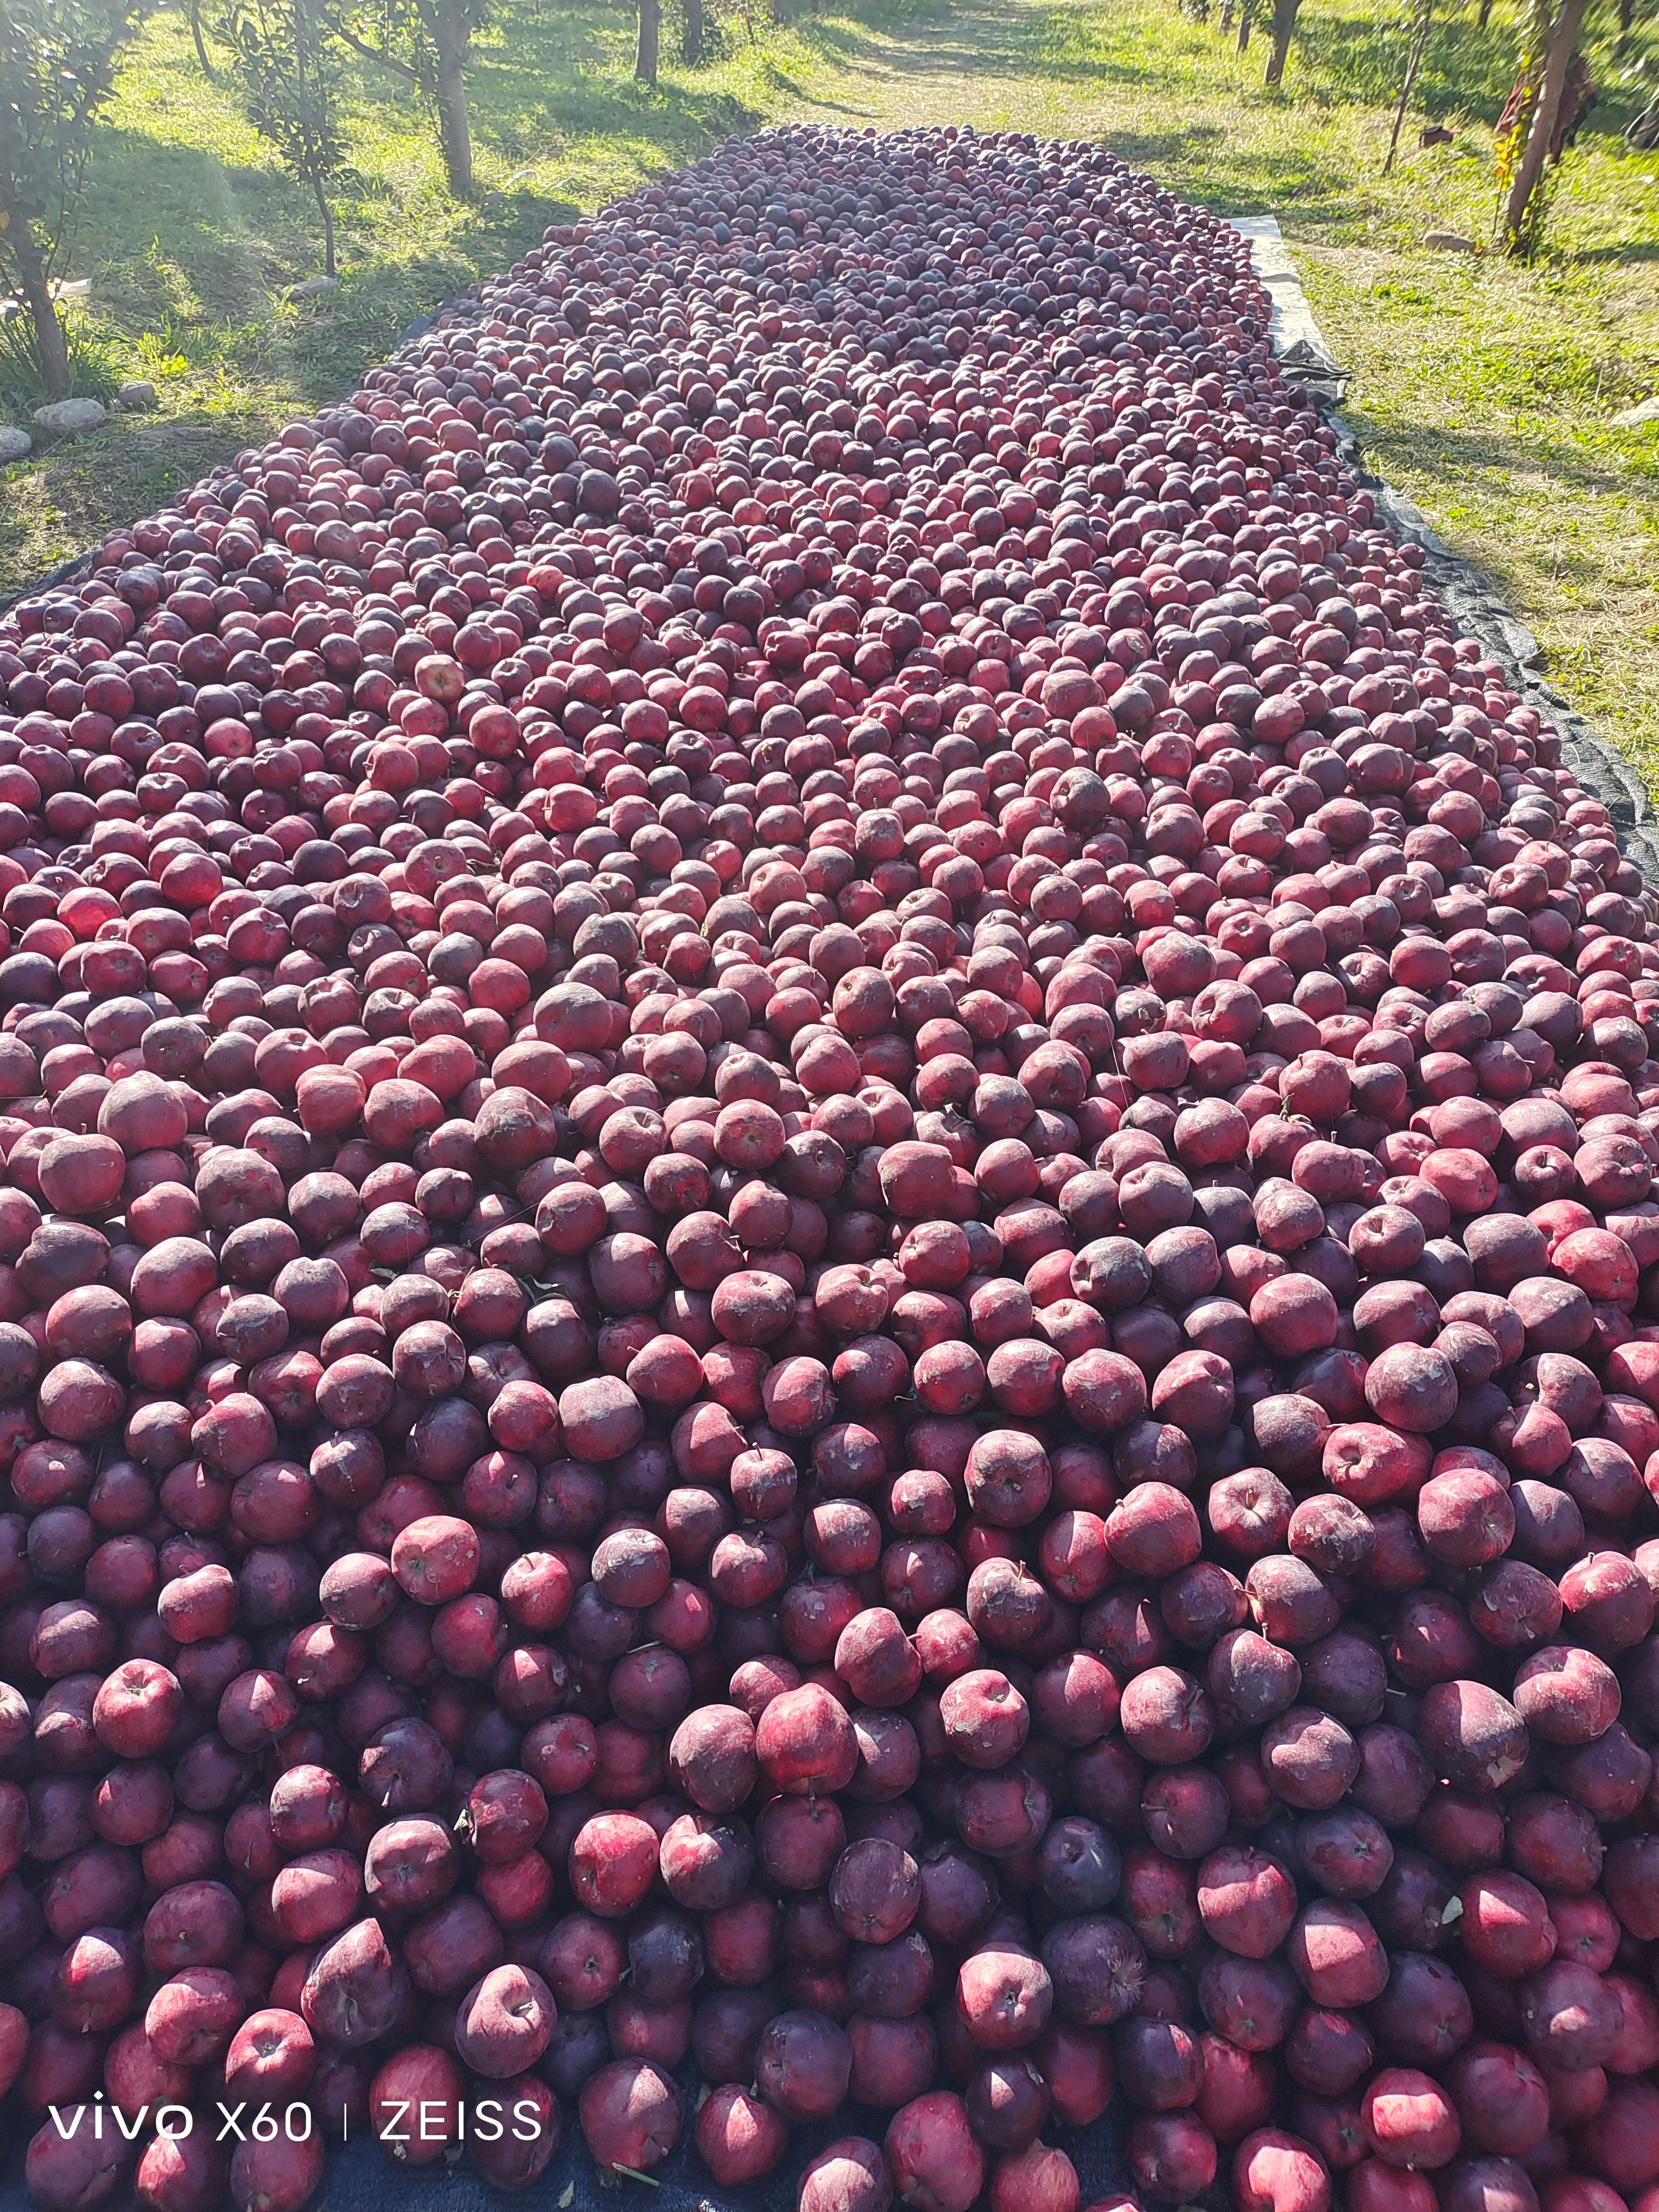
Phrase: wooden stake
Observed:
(1418, 44)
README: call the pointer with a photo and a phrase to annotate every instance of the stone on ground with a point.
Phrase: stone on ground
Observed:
(67, 418)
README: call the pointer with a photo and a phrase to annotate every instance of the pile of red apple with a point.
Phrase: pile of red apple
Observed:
(828, 1263)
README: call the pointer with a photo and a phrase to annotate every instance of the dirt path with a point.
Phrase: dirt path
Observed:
(999, 67)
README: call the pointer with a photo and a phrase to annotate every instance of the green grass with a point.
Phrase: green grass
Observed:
(1485, 390)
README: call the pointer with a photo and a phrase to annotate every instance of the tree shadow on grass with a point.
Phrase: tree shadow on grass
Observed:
(849, 42)
(896, 34)
(1257, 180)
(777, 80)
(555, 73)
(1635, 251)
(164, 225)
(1555, 576)
(509, 96)
(1457, 457)
(207, 249)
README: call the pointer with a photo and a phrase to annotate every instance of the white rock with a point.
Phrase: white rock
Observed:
(67, 418)
(1630, 418)
(138, 393)
(313, 285)
(1448, 241)
(13, 443)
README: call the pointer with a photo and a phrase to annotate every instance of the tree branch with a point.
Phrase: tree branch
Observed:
(374, 54)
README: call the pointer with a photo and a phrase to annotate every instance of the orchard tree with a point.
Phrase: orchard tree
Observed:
(1284, 29)
(56, 65)
(286, 58)
(1537, 118)
(650, 42)
(1424, 25)
(428, 43)
(193, 14)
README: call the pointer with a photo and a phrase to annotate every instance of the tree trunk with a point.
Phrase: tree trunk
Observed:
(327, 214)
(1245, 14)
(691, 33)
(1557, 57)
(43, 308)
(451, 39)
(1283, 28)
(1626, 23)
(1485, 16)
(1412, 67)
(194, 13)
(645, 61)
(1226, 23)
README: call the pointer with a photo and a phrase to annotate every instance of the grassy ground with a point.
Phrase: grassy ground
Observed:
(1486, 391)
